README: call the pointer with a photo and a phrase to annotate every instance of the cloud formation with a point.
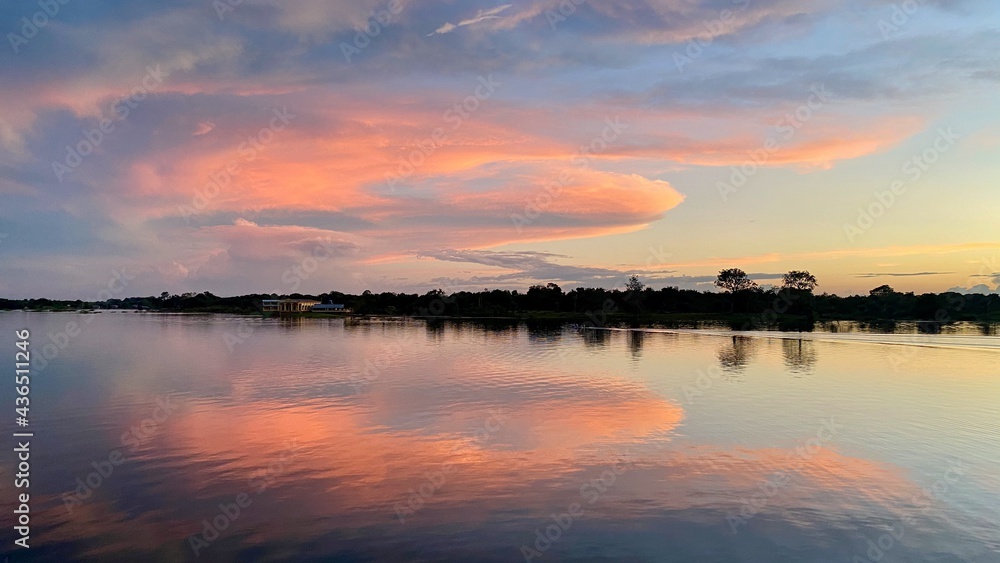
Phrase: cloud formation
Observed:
(902, 274)
(523, 132)
(481, 15)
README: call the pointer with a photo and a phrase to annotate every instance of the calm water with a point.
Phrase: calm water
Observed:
(392, 441)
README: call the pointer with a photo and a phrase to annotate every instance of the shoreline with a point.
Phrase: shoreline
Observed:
(617, 321)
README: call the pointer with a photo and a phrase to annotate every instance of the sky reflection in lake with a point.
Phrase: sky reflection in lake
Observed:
(402, 441)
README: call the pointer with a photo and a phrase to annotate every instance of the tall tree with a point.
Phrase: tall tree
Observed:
(799, 280)
(634, 295)
(734, 280)
(798, 286)
(633, 285)
(885, 300)
(882, 291)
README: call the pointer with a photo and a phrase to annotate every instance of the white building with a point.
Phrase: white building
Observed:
(301, 306)
(291, 305)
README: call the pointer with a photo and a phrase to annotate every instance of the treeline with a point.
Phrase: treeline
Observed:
(589, 304)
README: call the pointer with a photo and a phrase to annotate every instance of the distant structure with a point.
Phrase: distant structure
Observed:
(296, 305)
(301, 306)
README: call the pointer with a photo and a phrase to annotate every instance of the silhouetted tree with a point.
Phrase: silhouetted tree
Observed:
(634, 293)
(882, 291)
(735, 281)
(885, 300)
(634, 285)
(881, 306)
(799, 280)
(798, 286)
(544, 297)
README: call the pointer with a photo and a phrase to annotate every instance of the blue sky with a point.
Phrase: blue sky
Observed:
(312, 145)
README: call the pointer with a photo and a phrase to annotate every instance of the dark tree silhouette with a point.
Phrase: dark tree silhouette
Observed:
(634, 285)
(799, 280)
(734, 280)
(634, 293)
(882, 291)
(882, 305)
(798, 286)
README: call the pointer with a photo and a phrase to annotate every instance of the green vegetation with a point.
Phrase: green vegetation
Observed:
(742, 304)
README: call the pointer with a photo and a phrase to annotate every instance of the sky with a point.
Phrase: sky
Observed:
(239, 146)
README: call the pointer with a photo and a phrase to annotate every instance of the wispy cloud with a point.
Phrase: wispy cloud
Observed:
(994, 277)
(541, 267)
(900, 274)
(204, 128)
(481, 15)
(528, 267)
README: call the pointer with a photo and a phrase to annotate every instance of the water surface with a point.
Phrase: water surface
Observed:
(402, 440)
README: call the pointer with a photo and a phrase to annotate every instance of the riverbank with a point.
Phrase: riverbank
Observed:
(736, 322)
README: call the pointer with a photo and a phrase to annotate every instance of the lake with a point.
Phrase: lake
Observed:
(219, 438)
